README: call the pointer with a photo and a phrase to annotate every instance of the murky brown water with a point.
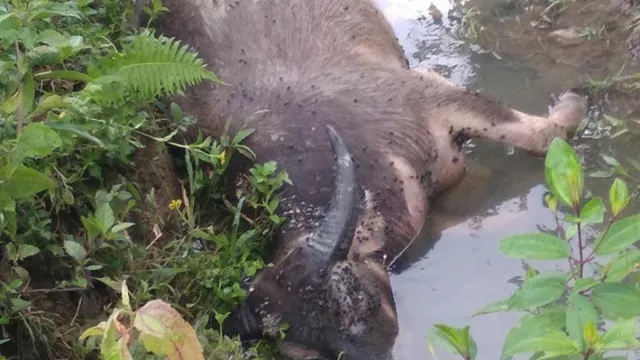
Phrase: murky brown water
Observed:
(450, 274)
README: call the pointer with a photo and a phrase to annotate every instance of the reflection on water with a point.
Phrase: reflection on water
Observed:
(455, 268)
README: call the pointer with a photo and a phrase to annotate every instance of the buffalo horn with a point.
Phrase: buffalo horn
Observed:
(332, 239)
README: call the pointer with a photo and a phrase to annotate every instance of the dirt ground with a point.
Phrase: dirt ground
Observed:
(566, 40)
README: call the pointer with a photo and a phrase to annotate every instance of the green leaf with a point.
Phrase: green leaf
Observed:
(64, 75)
(593, 211)
(38, 140)
(554, 343)
(622, 265)
(6, 202)
(121, 227)
(498, 306)
(590, 335)
(617, 301)
(563, 172)
(110, 348)
(92, 227)
(160, 320)
(125, 295)
(584, 283)
(622, 233)
(28, 92)
(24, 182)
(241, 135)
(618, 196)
(78, 130)
(580, 313)
(97, 330)
(534, 246)
(538, 291)
(75, 250)
(532, 326)
(104, 215)
(454, 340)
(621, 336)
(26, 250)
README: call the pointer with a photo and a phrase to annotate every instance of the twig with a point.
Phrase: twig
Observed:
(38, 291)
(77, 311)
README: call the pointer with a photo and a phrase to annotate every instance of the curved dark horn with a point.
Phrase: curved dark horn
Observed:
(332, 239)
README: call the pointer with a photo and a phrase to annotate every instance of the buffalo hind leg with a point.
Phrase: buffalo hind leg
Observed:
(466, 114)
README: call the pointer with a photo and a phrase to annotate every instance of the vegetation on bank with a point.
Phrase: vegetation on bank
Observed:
(89, 242)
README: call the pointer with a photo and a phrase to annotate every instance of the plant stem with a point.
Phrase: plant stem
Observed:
(581, 251)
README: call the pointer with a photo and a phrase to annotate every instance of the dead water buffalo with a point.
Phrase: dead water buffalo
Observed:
(327, 88)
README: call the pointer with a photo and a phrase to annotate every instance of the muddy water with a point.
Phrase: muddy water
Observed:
(454, 268)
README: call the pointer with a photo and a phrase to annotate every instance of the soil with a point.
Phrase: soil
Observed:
(575, 39)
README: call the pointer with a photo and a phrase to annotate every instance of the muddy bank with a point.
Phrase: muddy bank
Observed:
(567, 42)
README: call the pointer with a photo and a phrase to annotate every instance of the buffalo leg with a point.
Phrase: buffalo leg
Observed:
(466, 114)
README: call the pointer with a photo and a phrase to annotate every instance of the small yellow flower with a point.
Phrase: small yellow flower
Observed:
(223, 154)
(175, 204)
(62, 114)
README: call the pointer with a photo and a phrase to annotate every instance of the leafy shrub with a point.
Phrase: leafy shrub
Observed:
(566, 311)
(81, 93)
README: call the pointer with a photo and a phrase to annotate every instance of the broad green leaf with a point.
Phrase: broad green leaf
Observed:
(618, 196)
(563, 172)
(590, 335)
(454, 340)
(160, 320)
(47, 103)
(75, 250)
(501, 305)
(622, 233)
(533, 326)
(125, 295)
(593, 211)
(6, 202)
(92, 227)
(621, 336)
(97, 330)
(28, 92)
(121, 227)
(538, 291)
(104, 215)
(534, 246)
(622, 265)
(552, 203)
(78, 130)
(26, 250)
(110, 348)
(580, 313)
(584, 283)
(38, 140)
(553, 343)
(18, 304)
(64, 74)
(241, 135)
(156, 345)
(617, 301)
(24, 182)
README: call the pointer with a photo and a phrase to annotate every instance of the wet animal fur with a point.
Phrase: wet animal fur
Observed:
(293, 67)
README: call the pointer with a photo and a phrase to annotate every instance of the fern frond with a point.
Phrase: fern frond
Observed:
(155, 66)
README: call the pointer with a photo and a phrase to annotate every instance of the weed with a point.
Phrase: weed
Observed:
(82, 94)
(566, 311)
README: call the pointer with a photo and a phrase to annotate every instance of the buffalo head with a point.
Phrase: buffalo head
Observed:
(332, 303)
